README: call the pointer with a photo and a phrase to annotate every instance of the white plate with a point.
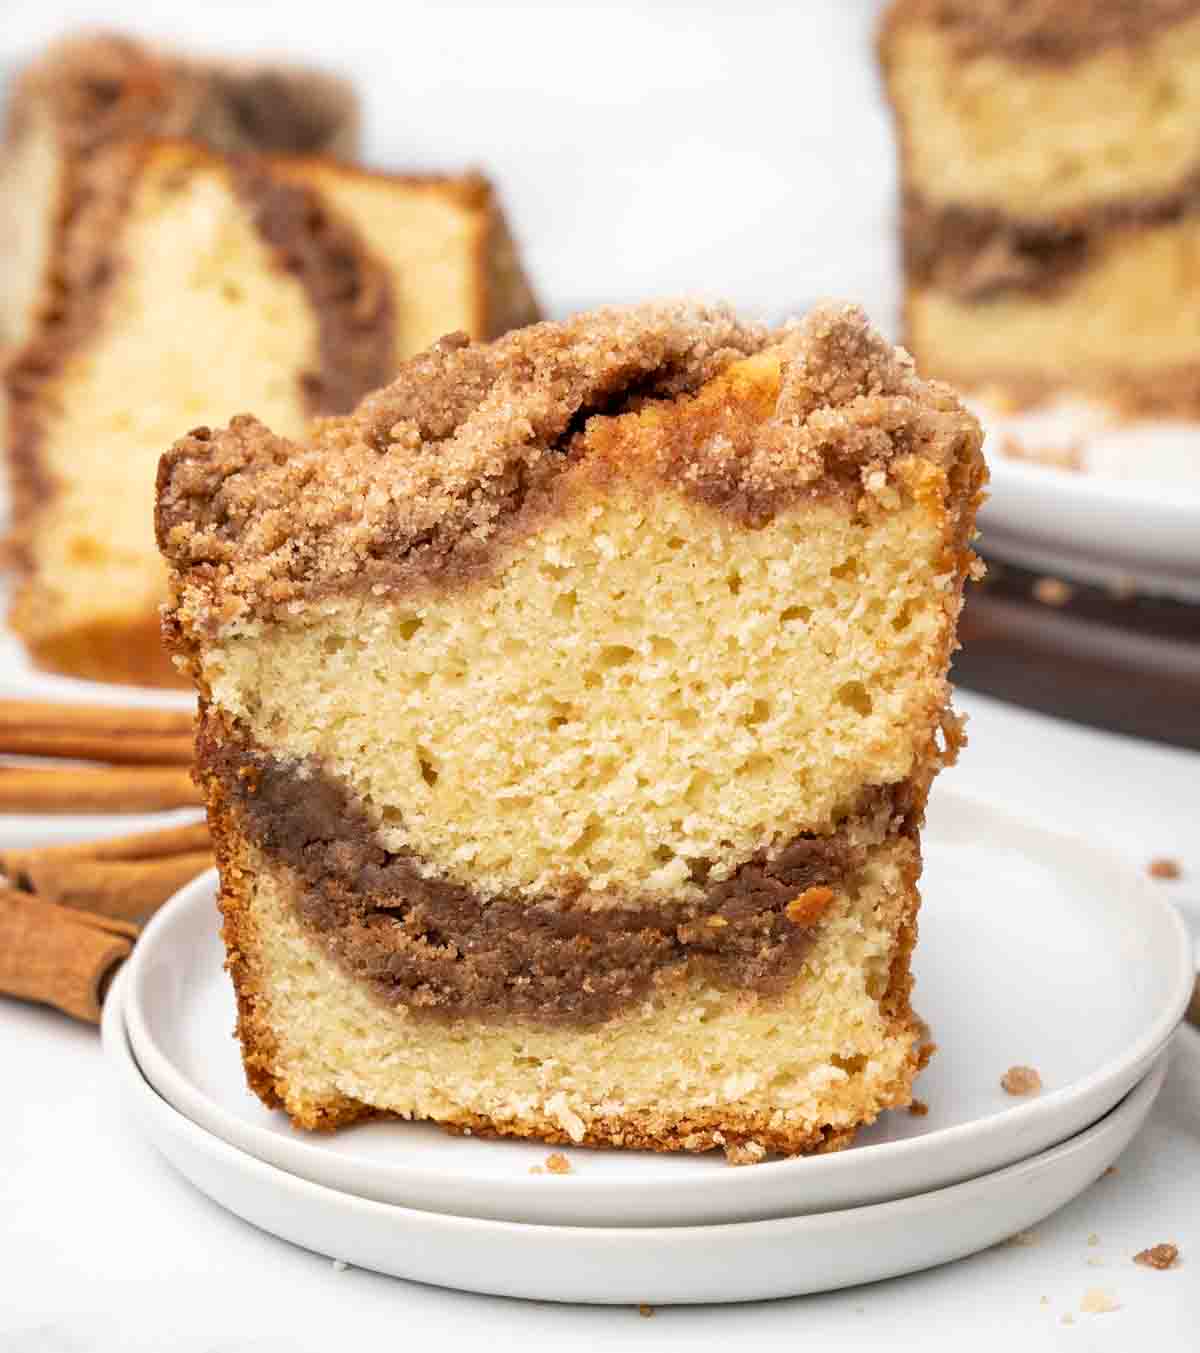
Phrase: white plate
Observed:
(1133, 517)
(745, 1261)
(1035, 949)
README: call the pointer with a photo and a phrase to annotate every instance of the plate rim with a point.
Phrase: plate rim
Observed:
(723, 1263)
(118, 1047)
(583, 1191)
(1181, 501)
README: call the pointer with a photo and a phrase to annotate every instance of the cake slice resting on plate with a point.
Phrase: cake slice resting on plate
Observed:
(1050, 153)
(568, 715)
(193, 287)
(87, 93)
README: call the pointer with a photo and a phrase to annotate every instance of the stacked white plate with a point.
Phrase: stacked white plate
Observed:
(1127, 517)
(1035, 949)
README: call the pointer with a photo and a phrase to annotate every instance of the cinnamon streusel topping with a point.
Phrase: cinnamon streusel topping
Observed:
(471, 443)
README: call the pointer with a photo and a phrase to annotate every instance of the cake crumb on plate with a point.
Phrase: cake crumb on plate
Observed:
(1021, 1080)
(745, 1153)
(1163, 867)
(1158, 1256)
(645, 1310)
(918, 1108)
(557, 1163)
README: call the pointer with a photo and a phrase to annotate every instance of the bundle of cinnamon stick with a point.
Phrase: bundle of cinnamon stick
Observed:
(144, 756)
(69, 914)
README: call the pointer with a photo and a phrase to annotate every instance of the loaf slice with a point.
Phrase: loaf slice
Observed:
(86, 93)
(1049, 159)
(567, 718)
(193, 287)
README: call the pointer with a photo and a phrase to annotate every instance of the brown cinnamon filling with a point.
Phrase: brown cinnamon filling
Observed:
(438, 945)
(350, 293)
(976, 253)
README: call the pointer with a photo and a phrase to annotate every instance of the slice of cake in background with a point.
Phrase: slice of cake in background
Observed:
(1051, 228)
(86, 93)
(193, 287)
(568, 715)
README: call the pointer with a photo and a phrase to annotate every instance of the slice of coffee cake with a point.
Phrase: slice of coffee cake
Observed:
(194, 287)
(568, 714)
(90, 92)
(1050, 154)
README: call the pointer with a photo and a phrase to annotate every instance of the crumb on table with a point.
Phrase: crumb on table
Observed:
(1158, 1256)
(1163, 867)
(1021, 1080)
(1098, 1301)
(918, 1108)
(1052, 591)
(557, 1163)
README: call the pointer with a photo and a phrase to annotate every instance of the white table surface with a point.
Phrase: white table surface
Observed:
(735, 150)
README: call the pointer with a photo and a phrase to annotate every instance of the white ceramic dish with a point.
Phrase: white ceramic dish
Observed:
(1132, 517)
(1035, 948)
(745, 1261)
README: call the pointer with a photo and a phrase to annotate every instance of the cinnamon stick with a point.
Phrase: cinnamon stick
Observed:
(150, 845)
(127, 889)
(95, 789)
(124, 735)
(59, 957)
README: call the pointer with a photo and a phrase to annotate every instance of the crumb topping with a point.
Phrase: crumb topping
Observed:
(1043, 30)
(1021, 1080)
(472, 440)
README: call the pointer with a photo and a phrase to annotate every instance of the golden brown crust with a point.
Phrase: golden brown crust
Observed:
(1045, 31)
(506, 298)
(474, 444)
(131, 653)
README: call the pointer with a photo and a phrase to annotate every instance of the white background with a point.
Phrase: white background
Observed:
(735, 152)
